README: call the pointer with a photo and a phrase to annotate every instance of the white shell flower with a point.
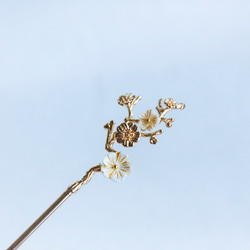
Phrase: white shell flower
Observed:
(116, 166)
(148, 120)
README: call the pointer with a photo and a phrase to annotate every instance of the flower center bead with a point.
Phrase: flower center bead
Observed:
(128, 135)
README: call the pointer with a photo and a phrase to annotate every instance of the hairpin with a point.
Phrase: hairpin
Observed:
(116, 165)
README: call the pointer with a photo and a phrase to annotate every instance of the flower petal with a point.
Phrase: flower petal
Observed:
(106, 172)
(134, 127)
(148, 120)
(116, 166)
(119, 140)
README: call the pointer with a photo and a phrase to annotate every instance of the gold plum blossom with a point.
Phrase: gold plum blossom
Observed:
(128, 100)
(127, 134)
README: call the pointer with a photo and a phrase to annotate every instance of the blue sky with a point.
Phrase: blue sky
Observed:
(62, 67)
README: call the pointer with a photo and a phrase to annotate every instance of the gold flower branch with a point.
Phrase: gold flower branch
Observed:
(85, 179)
(169, 105)
(127, 133)
(110, 138)
(152, 138)
(129, 100)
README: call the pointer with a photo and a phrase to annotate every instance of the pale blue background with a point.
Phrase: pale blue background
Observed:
(63, 64)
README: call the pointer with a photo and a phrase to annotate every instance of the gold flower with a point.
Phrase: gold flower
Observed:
(171, 103)
(148, 120)
(127, 134)
(116, 166)
(126, 99)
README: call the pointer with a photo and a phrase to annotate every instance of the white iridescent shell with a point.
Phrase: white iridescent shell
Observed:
(148, 120)
(116, 166)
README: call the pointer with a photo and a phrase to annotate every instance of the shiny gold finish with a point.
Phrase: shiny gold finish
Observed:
(152, 138)
(110, 138)
(127, 133)
(129, 100)
(85, 179)
(169, 105)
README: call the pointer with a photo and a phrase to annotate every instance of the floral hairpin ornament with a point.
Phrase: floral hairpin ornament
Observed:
(116, 165)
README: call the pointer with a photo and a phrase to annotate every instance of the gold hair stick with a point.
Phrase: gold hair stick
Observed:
(116, 165)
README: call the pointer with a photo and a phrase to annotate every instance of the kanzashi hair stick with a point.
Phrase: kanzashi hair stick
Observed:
(116, 165)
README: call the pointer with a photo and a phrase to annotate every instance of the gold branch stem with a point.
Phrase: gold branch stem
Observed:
(127, 119)
(158, 132)
(110, 139)
(85, 179)
(152, 139)
(163, 112)
(130, 114)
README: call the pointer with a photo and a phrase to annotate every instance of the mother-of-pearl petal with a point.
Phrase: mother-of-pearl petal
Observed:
(116, 166)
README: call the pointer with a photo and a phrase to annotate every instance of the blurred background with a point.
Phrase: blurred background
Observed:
(63, 65)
